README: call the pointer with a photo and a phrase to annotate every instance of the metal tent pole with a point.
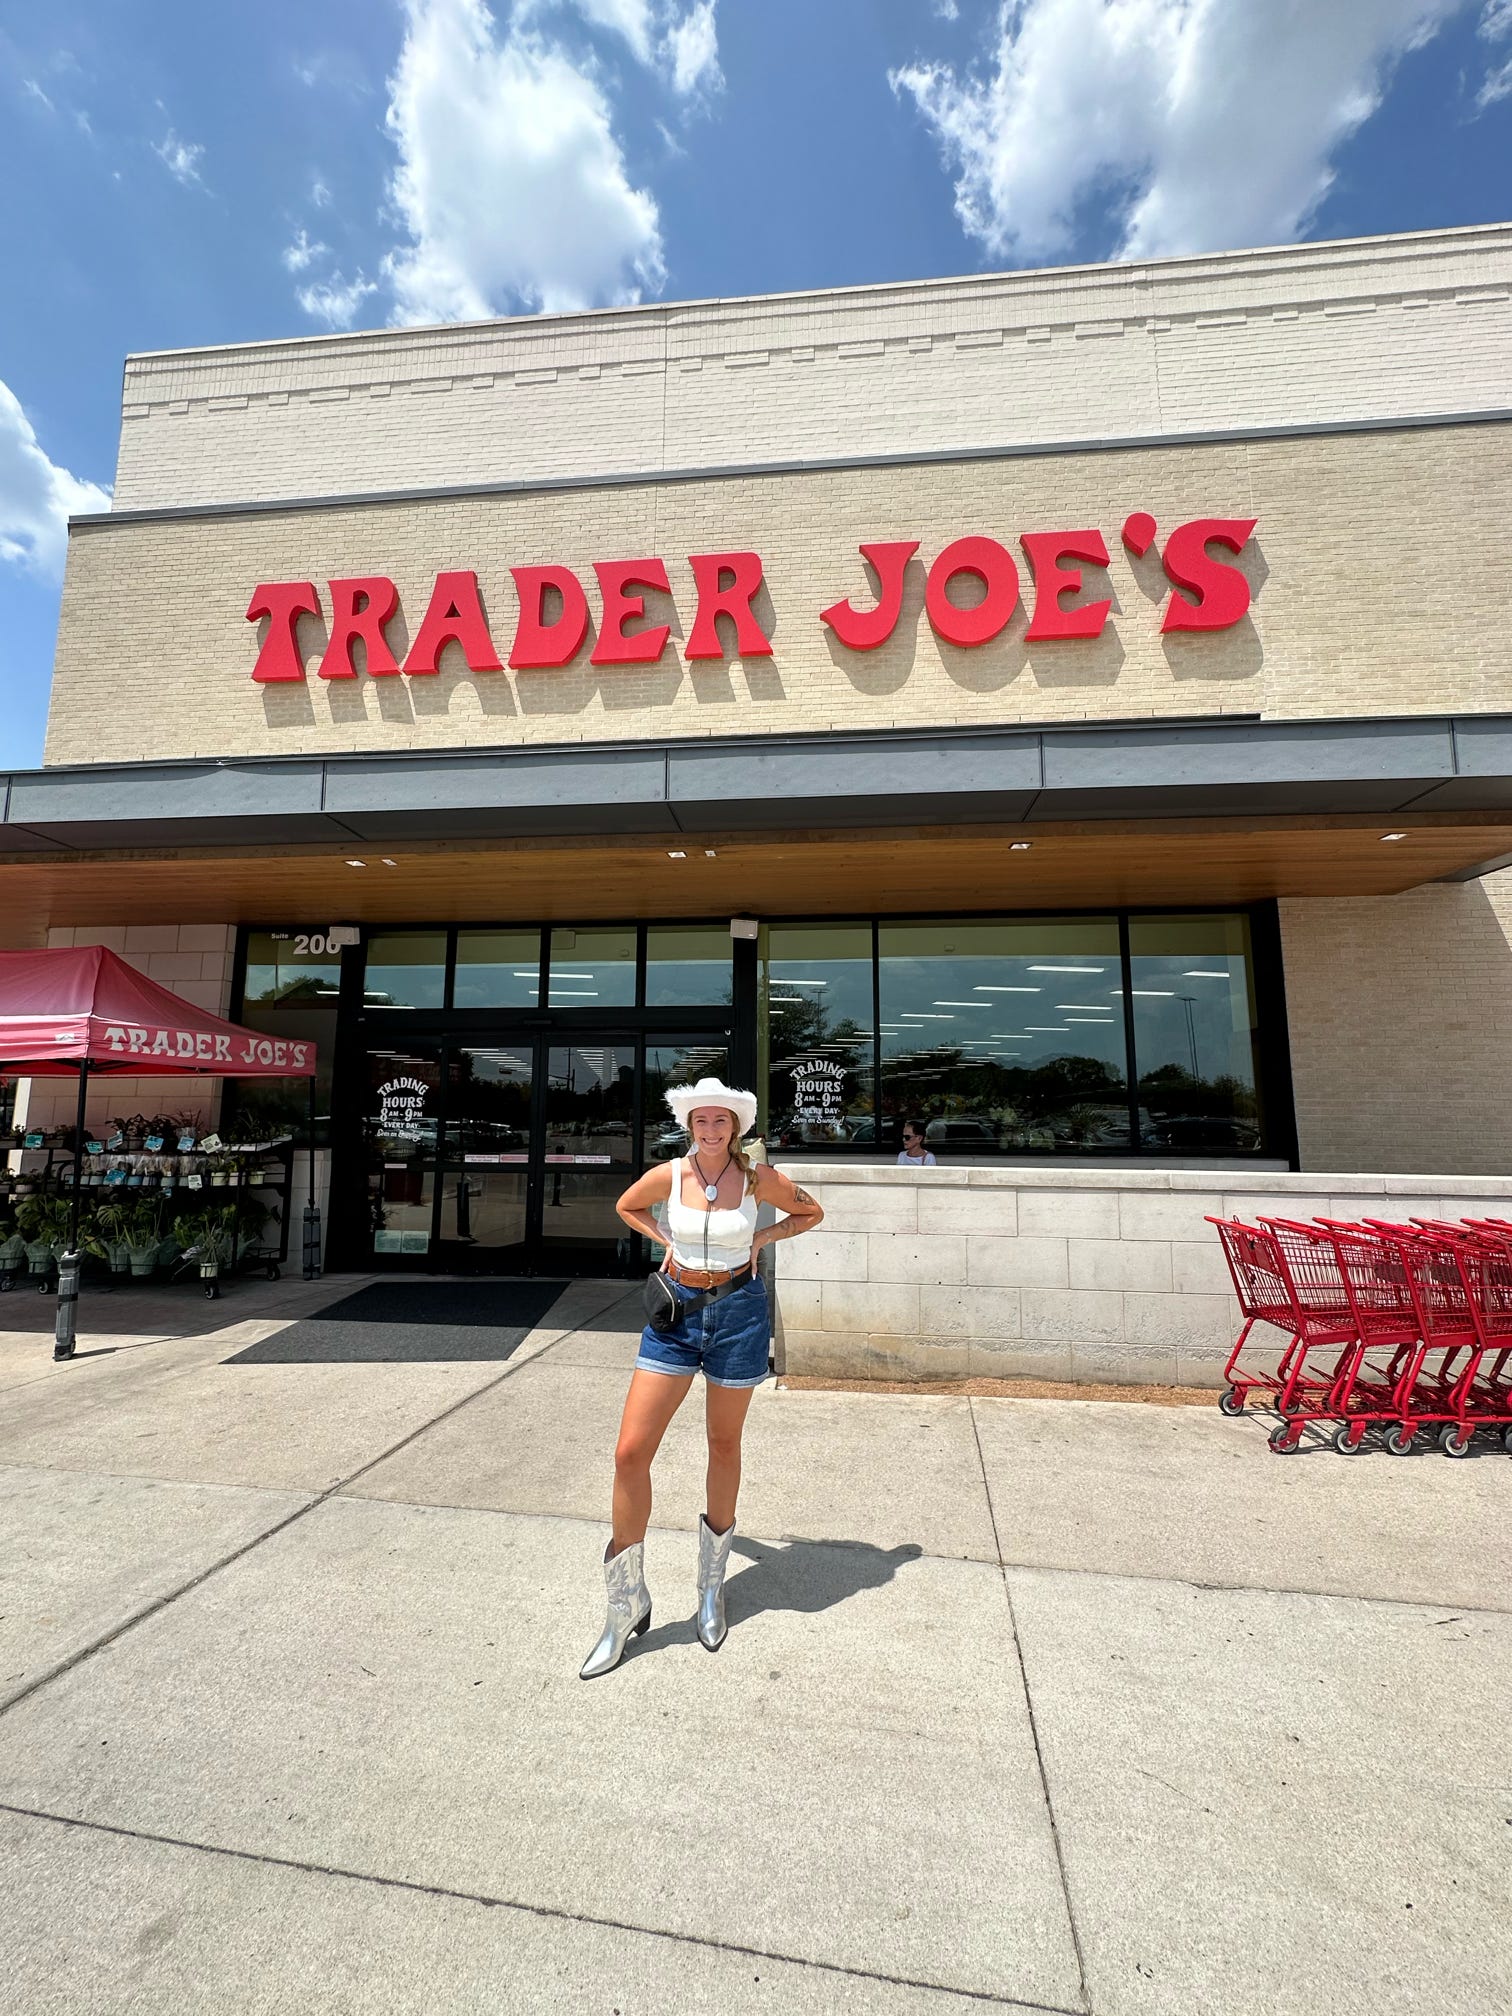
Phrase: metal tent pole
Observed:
(68, 1262)
(312, 1209)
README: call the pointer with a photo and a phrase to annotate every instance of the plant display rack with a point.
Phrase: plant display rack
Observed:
(155, 1197)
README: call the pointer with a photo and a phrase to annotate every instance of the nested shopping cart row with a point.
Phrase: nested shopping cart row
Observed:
(1398, 1327)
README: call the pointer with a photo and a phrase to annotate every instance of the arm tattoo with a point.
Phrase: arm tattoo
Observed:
(802, 1195)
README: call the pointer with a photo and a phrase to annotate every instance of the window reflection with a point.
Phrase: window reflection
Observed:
(1004, 1035)
(1195, 1030)
(405, 969)
(497, 969)
(676, 1060)
(816, 999)
(687, 966)
(592, 969)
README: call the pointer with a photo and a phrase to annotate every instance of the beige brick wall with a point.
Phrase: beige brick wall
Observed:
(1355, 330)
(1365, 602)
(1069, 1273)
(192, 961)
(1400, 1009)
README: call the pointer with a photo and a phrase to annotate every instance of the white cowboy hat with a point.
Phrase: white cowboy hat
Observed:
(683, 1099)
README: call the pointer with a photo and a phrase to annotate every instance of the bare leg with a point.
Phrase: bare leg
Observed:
(653, 1399)
(725, 1418)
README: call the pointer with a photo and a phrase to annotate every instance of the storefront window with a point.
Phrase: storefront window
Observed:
(291, 969)
(1001, 1035)
(406, 969)
(1195, 1031)
(816, 1004)
(592, 968)
(687, 966)
(497, 969)
(291, 989)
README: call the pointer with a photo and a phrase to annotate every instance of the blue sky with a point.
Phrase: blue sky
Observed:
(182, 174)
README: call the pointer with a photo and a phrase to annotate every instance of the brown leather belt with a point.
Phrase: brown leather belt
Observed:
(704, 1277)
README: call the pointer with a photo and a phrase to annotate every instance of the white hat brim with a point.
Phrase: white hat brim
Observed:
(686, 1099)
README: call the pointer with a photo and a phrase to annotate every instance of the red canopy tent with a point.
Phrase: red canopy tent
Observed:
(83, 1009)
(86, 1007)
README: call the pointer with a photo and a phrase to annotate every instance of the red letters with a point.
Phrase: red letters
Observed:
(865, 629)
(455, 616)
(536, 642)
(359, 610)
(1046, 551)
(615, 578)
(732, 598)
(283, 603)
(1222, 592)
(993, 566)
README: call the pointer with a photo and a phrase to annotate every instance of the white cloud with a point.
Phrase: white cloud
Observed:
(947, 10)
(180, 158)
(303, 252)
(1203, 123)
(511, 182)
(320, 195)
(335, 301)
(1496, 26)
(34, 90)
(36, 496)
(693, 47)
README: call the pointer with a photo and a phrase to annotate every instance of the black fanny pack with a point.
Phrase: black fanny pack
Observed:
(665, 1309)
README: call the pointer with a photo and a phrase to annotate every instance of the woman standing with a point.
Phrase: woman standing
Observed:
(717, 1323)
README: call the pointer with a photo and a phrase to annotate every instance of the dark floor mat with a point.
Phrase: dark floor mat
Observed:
(412, 1322)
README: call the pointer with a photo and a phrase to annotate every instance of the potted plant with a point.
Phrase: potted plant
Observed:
(110, 1223)
(144, 1235)
(43, 1223)
(12, 1253)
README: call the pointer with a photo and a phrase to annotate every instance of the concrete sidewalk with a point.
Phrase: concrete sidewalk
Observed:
(1044, 1705)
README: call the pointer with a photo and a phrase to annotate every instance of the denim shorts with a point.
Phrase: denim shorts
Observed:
(728, 1340)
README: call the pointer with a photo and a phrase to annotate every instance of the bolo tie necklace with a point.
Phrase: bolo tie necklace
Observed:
(711, 1190)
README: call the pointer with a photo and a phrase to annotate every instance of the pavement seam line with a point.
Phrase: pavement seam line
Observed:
(313, 1504)
(550, 1911)
(1039, 1755)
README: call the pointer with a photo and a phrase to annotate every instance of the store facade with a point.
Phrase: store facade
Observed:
(1070, 709)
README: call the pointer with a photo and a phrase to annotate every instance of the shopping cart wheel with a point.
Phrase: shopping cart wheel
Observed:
(275, 1272)
(1454, 1440)
(1349, 1438)
(1400, 1440)
(212, 1293)
(1230, 1402)
(1286, 1408)
(1283, 1440)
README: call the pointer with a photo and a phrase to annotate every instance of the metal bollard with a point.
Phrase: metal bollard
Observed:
(312, 1242)
(68, 1303)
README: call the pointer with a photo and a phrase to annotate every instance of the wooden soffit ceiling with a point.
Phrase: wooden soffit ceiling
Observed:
(1101, 863)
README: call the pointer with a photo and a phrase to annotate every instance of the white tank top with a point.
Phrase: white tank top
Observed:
(730, 1232)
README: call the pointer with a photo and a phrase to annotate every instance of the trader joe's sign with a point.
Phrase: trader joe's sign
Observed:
(552, 622)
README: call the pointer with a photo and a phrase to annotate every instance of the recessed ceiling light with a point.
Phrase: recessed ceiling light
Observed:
(1019, 846)
(388, 863)
(1393, 836)
(1068, 969)
(711, 853)
(1201, 973)
(676, 854)
(356, 864)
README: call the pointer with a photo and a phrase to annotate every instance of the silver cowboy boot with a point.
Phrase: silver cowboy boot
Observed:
(713, 1555)
(629, 1607)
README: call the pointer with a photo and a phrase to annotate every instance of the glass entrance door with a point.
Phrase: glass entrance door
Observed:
(587, 1137)
(505, 1154)
(483, 1221)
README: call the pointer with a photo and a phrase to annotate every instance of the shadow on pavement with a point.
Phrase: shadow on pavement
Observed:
(805, 1576)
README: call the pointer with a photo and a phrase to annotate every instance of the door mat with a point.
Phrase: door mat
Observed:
(1011, 1389)
(412, 1322)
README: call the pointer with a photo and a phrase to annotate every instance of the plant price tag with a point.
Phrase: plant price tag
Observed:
(194, 1182)
(186, 1144)
(31, 1141)
(210, 1142)
(154, 1144)
(94, 1147)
